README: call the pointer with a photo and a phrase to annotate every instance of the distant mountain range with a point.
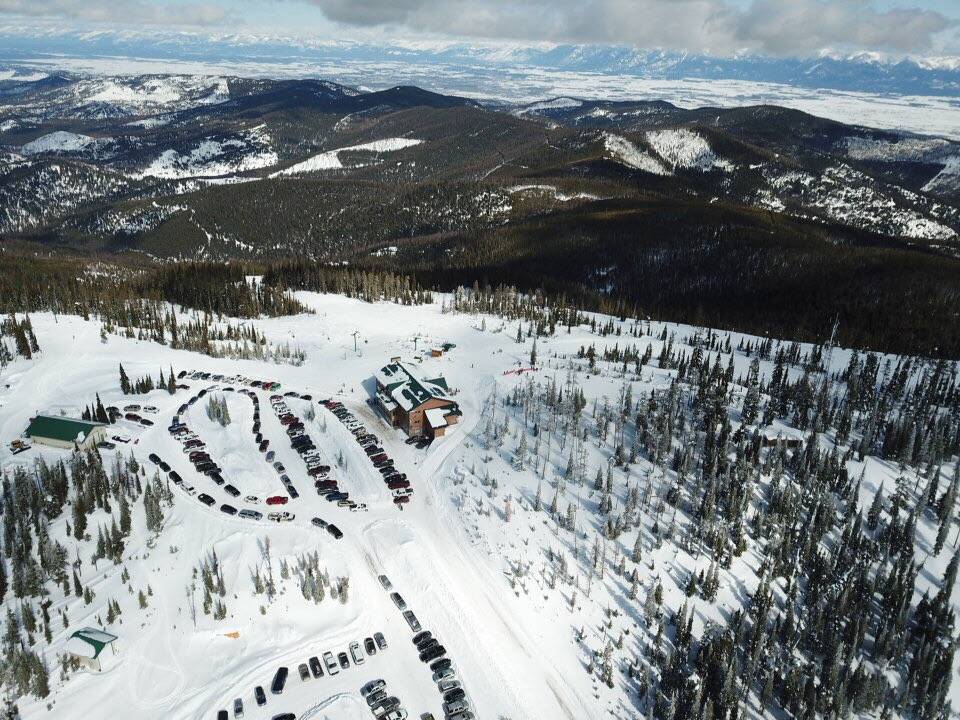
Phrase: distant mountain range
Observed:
(865, 72)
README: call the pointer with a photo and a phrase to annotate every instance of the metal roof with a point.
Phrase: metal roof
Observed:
(89, 642)
(60, 428)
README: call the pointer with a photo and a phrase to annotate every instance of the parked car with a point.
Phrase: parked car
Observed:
(376, 697)
(356, 653)
(398, 600)
(422, 636)
(440, 665)
(316, 667)
(206, 499)
(343, 659)
(448, 685)
(252, 499)
(380, 640)
(318, 522)
(454, 695)
(231, 490)
(335, 531)
(237, 708)
(277, 500)
(279, 681)
(106, 445)
(304, 672)
(372, 687)
(412, 620)
(259, 695)
(451, 708)
(251, 514)
(228, 509)
(331, 663)
(223, 715)
(370, 646)
(433, 653)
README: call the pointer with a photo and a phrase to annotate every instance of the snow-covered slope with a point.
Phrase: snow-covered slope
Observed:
(530, 607)
(330, 160)
(685, 149)
(630, 155)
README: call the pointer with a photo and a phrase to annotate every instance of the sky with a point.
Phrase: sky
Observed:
(719, 27)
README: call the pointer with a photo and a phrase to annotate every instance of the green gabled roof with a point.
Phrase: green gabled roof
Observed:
(89, 642)
(60, 428)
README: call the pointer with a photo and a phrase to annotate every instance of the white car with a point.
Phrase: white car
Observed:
(150, 409)
(252, 499)
(188, 488)
(356, 653)
(358, 507)
(402, 492)
(282, 516)
(331, 662)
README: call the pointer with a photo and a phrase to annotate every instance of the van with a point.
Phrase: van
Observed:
(251, 514)
(279, 681)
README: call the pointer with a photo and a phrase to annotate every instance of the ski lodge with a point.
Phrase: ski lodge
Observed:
(95, 649)
(419, 406)
(64, 432)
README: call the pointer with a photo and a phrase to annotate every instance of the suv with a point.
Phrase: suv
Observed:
(251, 514)
(279, 681)
(398, 600)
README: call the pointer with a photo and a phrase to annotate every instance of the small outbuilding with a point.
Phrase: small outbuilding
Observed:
(64, 432)
(95, 649)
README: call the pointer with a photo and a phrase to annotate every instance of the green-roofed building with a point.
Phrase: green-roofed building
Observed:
(95, 649)
(64, 432)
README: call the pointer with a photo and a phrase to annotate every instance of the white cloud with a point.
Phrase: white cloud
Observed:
(134, 12)
(718, 26)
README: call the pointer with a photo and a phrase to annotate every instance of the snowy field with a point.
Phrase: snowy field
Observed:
(470, 556)
(917, 114)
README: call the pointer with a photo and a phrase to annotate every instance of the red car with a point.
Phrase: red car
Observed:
(397, 484)
(277, 500)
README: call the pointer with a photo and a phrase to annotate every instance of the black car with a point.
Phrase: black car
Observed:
(218, 479)
(433, 653)
(319, 523)
(316, 667)
(154, 458)
(231, 490)
(441, 665)
(223, 715)
(215, 470)
(344, 660)
(292, 492)
(304, 672)
(335, 531)
(422, 637)
(454, 695)
(146, 423)
(228, 509)
(175, 477)
(284, 716)
(206, 499)
(279, 681)
(205, 465)
(427, 645)
(370, 646)
(259, 695)
(165, 466)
